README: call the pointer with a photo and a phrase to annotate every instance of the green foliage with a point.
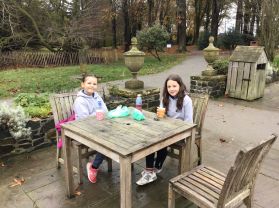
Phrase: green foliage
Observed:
(231, 39)
(14, 120)
(35, 105)
(221, 65)
(275, 62)
(153, 39)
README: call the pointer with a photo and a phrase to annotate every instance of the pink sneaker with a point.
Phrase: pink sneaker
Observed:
(91, 173)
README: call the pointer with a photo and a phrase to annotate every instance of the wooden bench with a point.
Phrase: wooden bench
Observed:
(209, 188)
(62, 108)
(200, 102)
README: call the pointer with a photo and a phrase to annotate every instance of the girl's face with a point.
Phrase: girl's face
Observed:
(89, 85)
(173, 87)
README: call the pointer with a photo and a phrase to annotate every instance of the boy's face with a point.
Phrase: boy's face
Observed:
(173, 87)
(90, 85)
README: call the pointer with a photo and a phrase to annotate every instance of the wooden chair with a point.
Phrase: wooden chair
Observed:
(200, 102)
(62, 108)
(209, 188)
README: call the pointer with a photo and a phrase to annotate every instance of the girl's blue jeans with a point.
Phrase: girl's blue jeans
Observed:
(98, 160)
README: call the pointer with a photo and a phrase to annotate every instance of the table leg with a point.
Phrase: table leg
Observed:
(68, 165)
(187, 159)
(125, 183)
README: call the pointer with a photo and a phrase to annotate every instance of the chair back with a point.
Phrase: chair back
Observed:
(200, 102)
(240, 179)
(62, 105)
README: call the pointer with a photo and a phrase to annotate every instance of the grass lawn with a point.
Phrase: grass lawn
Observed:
(39, 80)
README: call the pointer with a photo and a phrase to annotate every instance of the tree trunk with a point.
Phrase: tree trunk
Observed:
(239, 14)
(258, 12)
(113, 24)
(270, 26)
(127, 34)
(198, 18)
(35, 26)
(181, 28)
(247, 13)
(207, 14)
(215, 18)
(253, 19)
(150, 11)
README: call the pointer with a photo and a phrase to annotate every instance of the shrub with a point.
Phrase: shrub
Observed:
(153, 39)
(35, 105)
(14, 120)
(221, 65)
(231, 39)
(275, 62)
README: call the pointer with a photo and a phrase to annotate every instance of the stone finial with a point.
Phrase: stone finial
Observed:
(134, 60)
(210, 53)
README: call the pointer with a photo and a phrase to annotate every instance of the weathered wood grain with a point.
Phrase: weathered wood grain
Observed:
(209, 188)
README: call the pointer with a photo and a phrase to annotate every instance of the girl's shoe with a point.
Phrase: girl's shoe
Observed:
(158, 170)
(154, 169)
(91, 173)
(147, 177)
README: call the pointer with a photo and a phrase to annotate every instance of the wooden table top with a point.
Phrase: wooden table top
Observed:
(126, 135)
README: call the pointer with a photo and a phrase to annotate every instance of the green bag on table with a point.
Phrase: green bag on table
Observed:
(137, 115)
(119, 112)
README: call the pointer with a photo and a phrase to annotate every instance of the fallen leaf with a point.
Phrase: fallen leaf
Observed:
(17, 182)
(222, 140)
(77, 193)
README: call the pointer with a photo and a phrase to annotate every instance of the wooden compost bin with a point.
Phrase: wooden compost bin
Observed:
(246, 73)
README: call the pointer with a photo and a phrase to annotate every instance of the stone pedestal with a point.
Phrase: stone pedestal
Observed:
(214, 86)
(134, 84)
(123, 96)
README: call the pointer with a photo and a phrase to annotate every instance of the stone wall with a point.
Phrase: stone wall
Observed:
(214, 86)
(43, 131)
(127, 97)
(43, 134)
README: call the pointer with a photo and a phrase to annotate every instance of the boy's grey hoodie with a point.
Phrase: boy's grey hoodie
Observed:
(86, 105)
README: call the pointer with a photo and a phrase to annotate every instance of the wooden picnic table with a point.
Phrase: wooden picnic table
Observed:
(126, 140)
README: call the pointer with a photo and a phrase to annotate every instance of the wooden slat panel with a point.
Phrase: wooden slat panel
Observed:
(214, 170)
(201, 186)
(240, 178)
(217, 180)
(252, 89)
(186, 186)
(239, 79)
(261, 83)
(233, 79)
(205, 183)
(220, 177)
(213, 183)
(245, 81)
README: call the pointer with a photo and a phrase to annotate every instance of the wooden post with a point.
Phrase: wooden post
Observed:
(68, 165)
(125, 183)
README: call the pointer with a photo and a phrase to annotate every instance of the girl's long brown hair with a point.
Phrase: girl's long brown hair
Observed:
(180, 95)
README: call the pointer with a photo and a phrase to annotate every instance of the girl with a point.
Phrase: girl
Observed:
(86, 104)
(178, 105)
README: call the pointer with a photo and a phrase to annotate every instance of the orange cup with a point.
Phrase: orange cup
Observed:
(161, 112)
